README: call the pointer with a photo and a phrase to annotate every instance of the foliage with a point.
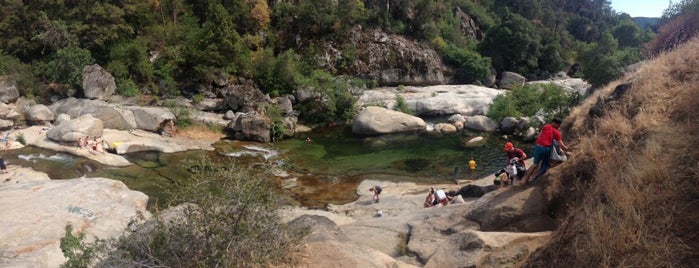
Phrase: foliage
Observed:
(74, 248)
(129, 60)
(160, 47)
(330, 99)
(27, 83)
(20, 138)
(182, 116)
(513, 45)
(470, 66)
(602, 62)
(216, 47)
(402, 105)
(277, 128)
(629, 34)
(532, 98)
(66, 67)
(226, 218)
(680, 23)
(276, 75)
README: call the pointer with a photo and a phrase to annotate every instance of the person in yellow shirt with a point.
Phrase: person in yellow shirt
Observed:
(472, 164)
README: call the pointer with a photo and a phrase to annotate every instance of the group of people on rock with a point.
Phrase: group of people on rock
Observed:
(516, 168)
(95, 144)
(436, 197)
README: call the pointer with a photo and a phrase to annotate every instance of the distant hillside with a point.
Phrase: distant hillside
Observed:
(628, 197)
(645, 22)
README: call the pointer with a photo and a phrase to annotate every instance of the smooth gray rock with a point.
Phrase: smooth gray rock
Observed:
(98, 83)
(71, 131)
(113, 116)
(8, 89)
(39, 114)
(377, 120)
(480, 123)
(35, 213)
(150, 118)
(510, 80)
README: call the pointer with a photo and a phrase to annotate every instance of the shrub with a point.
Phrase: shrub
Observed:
(528, 100)
(78, 253)
(183, 119)
(127, 88)
(331, 99)
(228, 218)
(20, 139)
(275, 116)
(66, 67)
(402, 105)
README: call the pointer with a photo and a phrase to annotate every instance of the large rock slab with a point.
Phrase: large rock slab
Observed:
(112, 116)
(327, 246)
(435, 100)
(150, 118)
(486, 249)
(378, 120)
(71, 131)
(572, 85)
(513, 209)
(34, 215)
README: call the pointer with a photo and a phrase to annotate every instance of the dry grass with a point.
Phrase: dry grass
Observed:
(201, 132)
(629, 196)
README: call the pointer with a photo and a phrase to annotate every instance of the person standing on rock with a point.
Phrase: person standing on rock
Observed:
(3, 168)
(377, 190)
(171, 128)
(542, 149)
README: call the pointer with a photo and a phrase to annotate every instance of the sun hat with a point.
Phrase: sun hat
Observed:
(508, 146)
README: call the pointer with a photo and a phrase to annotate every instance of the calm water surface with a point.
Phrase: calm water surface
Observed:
(327, 170)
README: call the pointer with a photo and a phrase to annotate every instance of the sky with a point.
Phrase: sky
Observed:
(641, 8)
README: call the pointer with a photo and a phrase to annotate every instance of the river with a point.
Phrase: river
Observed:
(325, 170)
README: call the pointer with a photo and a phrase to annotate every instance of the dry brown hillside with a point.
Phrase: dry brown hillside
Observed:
(629, 195)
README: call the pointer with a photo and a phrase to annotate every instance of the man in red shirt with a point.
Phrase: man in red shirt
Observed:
(542, 148)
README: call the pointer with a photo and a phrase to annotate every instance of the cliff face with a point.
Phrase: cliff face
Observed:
(628, 195)
(389, 59)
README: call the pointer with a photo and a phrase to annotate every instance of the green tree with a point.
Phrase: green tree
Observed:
(66, 67)
(216, 47)
(103, 26)
(27, 83)
(129, 60)
(276, 75)
(628, 34)
(513, 45)
(470, 66)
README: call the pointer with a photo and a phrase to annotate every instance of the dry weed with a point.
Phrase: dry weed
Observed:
(631, 189)
(201, 132)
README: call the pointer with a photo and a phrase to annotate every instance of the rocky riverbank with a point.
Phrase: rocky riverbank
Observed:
(399, 232)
